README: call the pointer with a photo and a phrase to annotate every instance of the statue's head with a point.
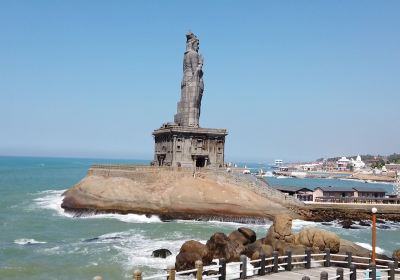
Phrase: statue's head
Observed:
(192, 43)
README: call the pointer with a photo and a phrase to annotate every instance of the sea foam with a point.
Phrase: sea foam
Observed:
(369, 247)
(52, 199)
(28, 241)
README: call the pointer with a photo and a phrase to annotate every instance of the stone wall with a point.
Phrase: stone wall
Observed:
(182, 146)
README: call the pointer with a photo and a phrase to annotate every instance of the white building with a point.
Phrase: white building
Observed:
(357, 164)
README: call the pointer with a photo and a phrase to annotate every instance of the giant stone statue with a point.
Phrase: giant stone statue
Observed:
(192, 85)
(184, 143)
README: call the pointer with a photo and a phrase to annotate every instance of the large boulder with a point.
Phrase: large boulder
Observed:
(318, 239)
(220, 246)
(280, 232)
(248, 233)
(256, 249)
(349, 246)
(346, 223)
(190, 252)
(396, 254)
(243, 236)
(238, 237)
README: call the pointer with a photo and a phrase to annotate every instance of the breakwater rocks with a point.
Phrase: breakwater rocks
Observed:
(279, 237)
(173, 194)
(350, 213)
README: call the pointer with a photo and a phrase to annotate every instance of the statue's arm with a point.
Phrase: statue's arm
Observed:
(196, 62)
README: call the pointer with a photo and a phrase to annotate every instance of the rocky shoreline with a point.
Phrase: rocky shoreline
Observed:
(351, 213)
(208, 195)
(279, 237)
(170, 194)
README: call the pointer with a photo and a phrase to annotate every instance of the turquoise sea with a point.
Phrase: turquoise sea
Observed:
(39, 241)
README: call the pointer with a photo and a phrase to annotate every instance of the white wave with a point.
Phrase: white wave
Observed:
(300, 224)
(369, 247)
(127, 218)
(234, 225)
(52, 200)
(28, 241)
(353, 180)
(135, 251)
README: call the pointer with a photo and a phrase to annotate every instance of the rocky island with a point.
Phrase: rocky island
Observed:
(174, 194)
(188, 178)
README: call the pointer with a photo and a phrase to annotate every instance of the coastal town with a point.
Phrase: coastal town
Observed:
(376, 169)
(367, 168)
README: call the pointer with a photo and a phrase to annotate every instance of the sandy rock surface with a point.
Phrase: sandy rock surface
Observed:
(172, 194)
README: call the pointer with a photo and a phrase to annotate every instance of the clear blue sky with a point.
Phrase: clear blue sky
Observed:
(295, 80)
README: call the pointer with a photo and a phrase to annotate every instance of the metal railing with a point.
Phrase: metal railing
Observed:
(288, 262)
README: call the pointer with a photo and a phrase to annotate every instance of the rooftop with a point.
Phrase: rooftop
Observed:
(349, 189)
(291, 189)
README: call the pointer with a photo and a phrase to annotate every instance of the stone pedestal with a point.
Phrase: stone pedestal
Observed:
(179, 146)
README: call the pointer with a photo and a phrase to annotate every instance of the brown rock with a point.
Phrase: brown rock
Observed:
(318, 239)
(190, 252)
(346, 223)
(243, 236)
(239, 238)
(165, 192)
(280, 231)
(357, 250)
(248, 233)
(396, 254)
(220, 246)
(256, 249)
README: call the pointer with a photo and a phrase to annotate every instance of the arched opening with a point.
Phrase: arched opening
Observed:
(200, 162)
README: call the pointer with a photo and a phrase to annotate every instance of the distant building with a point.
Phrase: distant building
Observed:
(301, 193)
(357, 164)
(342, 192)
(342, 164)
(310, 166)
(393, 167)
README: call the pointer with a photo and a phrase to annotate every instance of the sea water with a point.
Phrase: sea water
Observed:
(38, 240)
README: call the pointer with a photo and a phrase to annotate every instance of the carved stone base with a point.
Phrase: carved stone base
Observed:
(180, 146)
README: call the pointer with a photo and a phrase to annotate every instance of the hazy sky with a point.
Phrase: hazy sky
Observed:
(295, 80)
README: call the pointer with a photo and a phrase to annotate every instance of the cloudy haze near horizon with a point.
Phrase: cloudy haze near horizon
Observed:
(296, 80)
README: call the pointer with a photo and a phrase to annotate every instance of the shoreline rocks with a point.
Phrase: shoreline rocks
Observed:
(279, 237)
(210, 195)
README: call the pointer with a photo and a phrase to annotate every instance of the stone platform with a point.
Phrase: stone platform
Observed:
(180, 146)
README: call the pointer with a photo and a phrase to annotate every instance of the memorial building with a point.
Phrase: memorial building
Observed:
(184, 143)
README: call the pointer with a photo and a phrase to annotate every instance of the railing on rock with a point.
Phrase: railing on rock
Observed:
(288, 262)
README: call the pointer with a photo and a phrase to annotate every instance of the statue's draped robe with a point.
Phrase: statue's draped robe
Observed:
(192, 88)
